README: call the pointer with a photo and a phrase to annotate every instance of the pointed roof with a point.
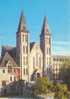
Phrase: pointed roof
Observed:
(11, 50)
(22, 23)
(6, 58)
(45, 28)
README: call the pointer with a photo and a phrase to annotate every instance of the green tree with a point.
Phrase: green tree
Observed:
(42, 86)
(65, 72)
(61, 91)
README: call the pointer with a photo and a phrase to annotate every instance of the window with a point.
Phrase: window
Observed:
(40, 62)
(3, 83)
(23, 49)
(36, 62)
(26, 60)
(26, 71)
(49, 51)
(37, 59)
(23, 37)
(26, 38)
(26, 49)
(49, 40)
(14, 78)
(49, 60)
(10, 78)
(14, 70)
(38, 75)
(3, 70)
(54, 59)
(33, 62)
(9, 69)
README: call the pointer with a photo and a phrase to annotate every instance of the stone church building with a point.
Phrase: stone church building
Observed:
(29, 60)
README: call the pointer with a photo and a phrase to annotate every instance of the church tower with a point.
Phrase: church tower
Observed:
(22, 47)
(45, 43)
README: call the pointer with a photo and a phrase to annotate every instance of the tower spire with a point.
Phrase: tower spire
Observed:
(45, 28)
(22, 23)
(45, 43)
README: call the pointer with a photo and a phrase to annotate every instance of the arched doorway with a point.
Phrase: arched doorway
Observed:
(38, 75)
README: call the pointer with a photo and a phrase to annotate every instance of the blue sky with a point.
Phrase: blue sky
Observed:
(57, 12)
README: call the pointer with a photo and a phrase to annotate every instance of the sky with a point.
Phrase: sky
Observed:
(58, 15)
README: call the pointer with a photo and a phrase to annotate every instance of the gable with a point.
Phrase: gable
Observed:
(7, 59)
(36, 48)
(11, 51)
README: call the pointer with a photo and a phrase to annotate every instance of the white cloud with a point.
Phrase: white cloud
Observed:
(61, 47)
(66, 43)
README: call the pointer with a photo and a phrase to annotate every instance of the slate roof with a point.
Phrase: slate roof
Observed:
(6, 58)
(22, 24)
(10, 50)
(31, 45)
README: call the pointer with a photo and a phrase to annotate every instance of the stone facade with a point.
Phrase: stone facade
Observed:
(57, 61)
(29, 60)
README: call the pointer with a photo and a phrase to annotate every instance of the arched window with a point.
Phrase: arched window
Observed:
(40, 62)
(24, 60)
(36, 59)
(26, 49)
(24, 71)
(23, 49)
(38, 75)
(11, 78)
(33, 62)
(23, 38)
(49, 50)
(14, 78)
(26, 38)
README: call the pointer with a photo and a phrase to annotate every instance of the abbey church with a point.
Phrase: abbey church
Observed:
(29, 60)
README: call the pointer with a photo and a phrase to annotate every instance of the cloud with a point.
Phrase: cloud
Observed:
(61, 52)
(59, 43)
(61, 47)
